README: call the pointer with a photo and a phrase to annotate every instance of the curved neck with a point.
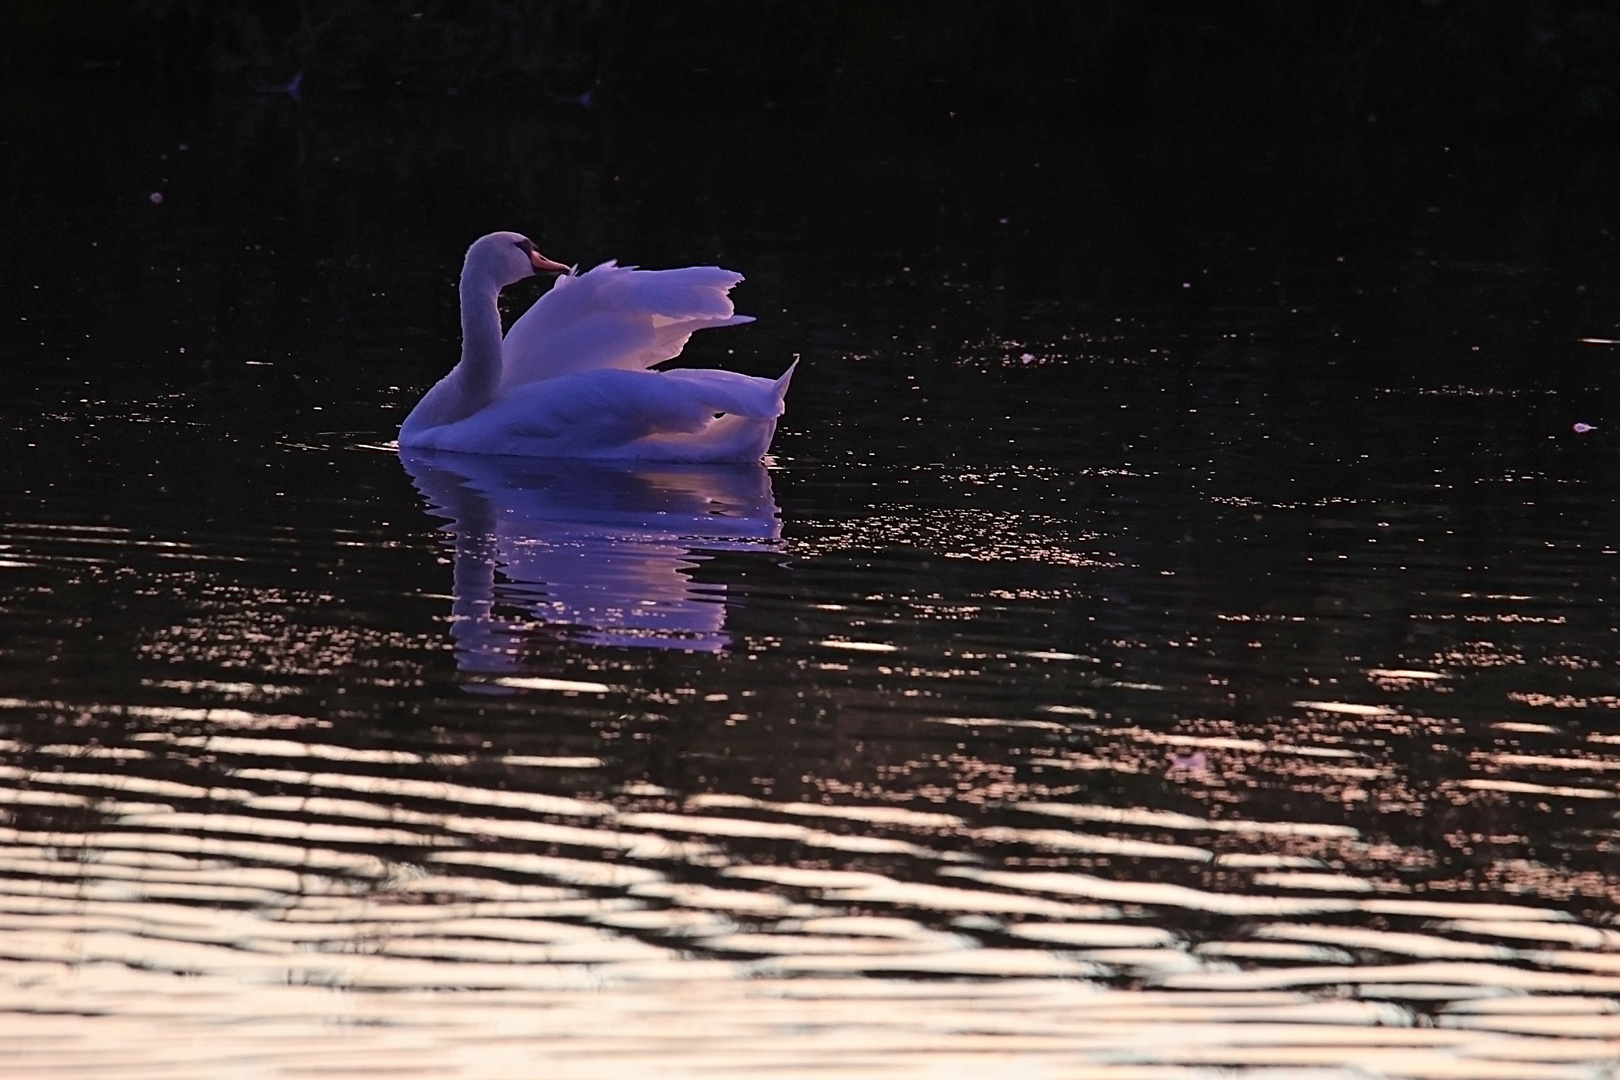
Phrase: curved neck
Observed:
(471, 384)
(479, 372)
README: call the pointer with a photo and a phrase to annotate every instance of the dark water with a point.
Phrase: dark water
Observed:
(1176, 631)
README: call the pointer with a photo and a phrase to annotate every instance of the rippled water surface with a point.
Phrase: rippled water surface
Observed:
(1176, 632)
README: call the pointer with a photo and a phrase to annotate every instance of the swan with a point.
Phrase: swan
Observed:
(571, 378)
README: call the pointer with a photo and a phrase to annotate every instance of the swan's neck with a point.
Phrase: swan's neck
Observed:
(472, 384)
(480, 369)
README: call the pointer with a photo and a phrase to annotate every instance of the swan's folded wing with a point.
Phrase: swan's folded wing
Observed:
(591, 411)
(682, 415)
(729, 392)
(591, 408)
(616, 317)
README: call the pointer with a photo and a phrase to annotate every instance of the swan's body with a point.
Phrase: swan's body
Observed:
(571, 378)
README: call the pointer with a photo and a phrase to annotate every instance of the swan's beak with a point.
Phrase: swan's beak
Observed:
(543, 265)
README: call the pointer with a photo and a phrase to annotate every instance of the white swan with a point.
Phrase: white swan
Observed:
(571, 378)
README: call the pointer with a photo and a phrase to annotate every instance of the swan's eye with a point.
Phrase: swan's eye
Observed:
(525, 245)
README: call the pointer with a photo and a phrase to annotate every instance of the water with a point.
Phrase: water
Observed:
(1175, 632)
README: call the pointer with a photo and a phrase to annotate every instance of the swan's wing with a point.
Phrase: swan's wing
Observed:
(614, 405)
(597, 408)
(729, 392)
(693, 292)
(682, 415)
(616, 317)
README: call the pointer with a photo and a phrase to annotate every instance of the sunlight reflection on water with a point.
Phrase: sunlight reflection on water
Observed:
(1179, 701)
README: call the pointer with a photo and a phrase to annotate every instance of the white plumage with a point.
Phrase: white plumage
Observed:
(572, 379)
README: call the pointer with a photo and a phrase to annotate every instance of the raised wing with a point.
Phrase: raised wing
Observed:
(616, 317)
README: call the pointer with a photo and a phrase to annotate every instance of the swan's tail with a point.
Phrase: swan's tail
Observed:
(780, 387)
(722, 391)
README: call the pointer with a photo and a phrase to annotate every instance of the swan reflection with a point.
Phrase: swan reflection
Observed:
(597, 551)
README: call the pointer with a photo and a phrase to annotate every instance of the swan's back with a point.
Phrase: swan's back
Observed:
(616, 317)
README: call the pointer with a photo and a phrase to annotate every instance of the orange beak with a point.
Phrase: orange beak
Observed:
(543, 265)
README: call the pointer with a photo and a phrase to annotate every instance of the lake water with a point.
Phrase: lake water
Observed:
(1175, 632)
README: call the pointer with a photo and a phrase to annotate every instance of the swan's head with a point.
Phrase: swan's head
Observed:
(505, 257)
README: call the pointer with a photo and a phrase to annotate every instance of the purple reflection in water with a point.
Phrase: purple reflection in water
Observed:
(599, 551)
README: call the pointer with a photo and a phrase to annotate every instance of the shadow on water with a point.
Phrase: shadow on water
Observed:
(599, 551)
